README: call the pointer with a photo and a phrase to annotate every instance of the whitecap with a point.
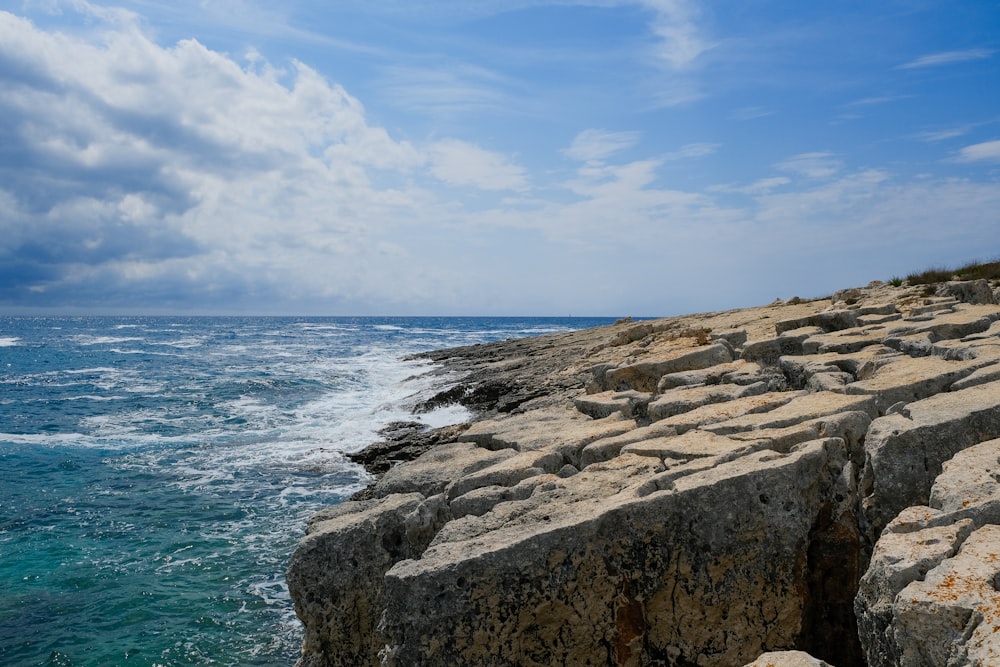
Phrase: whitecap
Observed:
(9, 341)
(106, 340)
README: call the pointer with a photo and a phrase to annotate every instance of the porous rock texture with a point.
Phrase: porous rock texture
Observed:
(806, 483)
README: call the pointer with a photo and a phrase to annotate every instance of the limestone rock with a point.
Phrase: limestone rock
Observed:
(337, 572)
(433, 471)
(964, 498)
(969, 291)
(902, 556)
(905, 452)
(907, 380)
(787, 659)
(644, 375)
(629, 403)
(583, 578)
(800, 409)
(952, 617)
(707, 490)
(719, 412)
(679, 401)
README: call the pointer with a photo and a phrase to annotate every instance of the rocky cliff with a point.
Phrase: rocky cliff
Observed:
(817, 482)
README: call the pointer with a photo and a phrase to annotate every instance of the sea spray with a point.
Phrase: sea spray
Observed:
(158, 471)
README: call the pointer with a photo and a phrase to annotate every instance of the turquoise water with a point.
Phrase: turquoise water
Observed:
(158, 472)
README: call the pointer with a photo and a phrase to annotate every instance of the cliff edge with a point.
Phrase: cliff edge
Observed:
(810, 482)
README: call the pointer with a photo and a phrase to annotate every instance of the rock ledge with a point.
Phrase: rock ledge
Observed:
(811, 483)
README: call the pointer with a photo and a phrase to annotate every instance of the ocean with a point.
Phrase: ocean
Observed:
(157, 472)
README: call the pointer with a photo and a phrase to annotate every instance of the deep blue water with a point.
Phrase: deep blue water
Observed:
(156, 472)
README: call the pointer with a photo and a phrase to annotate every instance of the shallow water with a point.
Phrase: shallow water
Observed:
(157, 472)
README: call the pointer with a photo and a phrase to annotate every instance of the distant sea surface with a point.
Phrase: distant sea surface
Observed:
(157, 472)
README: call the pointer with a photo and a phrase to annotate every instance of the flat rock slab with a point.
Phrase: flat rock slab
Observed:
(644, 375)
(695, 444)
(719, 412)
(608, 448)
(802, 408)
(845, 342)
(717, 374)
(971, 477)
(681, 400)
(904, 379)
(965, 321)
(436, 469)
(561, 429)
(910, 547)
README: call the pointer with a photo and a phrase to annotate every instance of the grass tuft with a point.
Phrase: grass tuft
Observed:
(971, 271)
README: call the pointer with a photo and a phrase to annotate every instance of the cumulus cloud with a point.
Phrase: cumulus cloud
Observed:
(177, 177)
(130, 167)
(987, 151)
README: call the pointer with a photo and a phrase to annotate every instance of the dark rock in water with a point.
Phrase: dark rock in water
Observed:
(742, 487)
(404, 441)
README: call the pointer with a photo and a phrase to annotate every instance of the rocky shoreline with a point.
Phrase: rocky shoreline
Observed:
(804, 483)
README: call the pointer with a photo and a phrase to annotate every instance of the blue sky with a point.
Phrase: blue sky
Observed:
(599, 157)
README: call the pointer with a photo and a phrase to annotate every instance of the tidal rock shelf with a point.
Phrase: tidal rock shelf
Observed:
(805, 483)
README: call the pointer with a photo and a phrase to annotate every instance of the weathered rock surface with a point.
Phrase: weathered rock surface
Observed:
(787, 659)
(930, 595)
(756, 487)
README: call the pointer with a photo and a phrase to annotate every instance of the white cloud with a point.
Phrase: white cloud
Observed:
(692, 151)
(681, 39)
(758, 187)
(875, 100)
(987, 151)
(941, 135)
(178, 171)
(813, 165)
(460, 163)
(947, 58)
(593, 145)
(176, 176)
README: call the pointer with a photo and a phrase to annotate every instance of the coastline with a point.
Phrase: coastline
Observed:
(703, 488)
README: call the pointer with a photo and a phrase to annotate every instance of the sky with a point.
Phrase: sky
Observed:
(497, 157)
